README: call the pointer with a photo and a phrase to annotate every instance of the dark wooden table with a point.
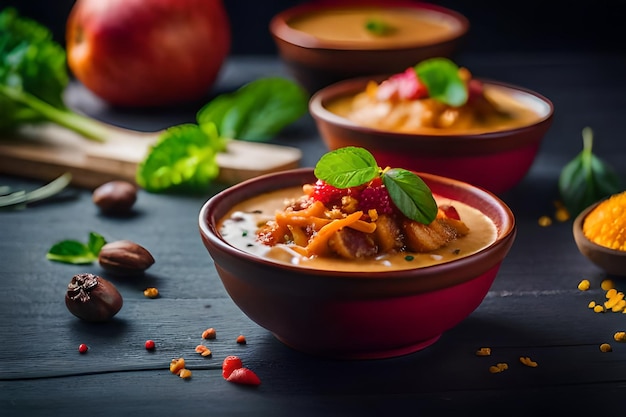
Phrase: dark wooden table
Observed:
(533, 309)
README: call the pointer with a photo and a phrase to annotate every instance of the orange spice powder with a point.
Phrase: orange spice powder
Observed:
(606, 224)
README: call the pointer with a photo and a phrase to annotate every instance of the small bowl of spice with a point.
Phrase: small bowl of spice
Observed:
(600, 233)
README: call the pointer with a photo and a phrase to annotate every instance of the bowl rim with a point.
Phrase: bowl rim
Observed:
(280, 29)
(357, 84)
(506, 232)
(582, 239)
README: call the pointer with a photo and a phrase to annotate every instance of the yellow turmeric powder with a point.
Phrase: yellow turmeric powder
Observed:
(605, 225)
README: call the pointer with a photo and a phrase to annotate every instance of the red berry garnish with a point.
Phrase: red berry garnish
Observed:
(330, 195)
(450, 212)
(150, 345)
(375, 196)
(83, 348)
(244, 376)
(230, 364)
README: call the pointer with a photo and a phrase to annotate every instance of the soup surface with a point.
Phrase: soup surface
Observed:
(239, 226)
(416, 116)
(410, 26)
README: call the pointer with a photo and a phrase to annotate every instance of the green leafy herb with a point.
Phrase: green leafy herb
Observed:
(353, 166)
(257, 111)
(379, 27)
(33, 77)
(441, 78)
(75, 252)
(586, 179)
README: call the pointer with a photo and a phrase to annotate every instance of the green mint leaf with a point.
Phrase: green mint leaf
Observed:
(441, 78)
(95, 243)
(184, 158)
(257, 111)
(586, 179)
(379, 27)
(347, 167)
(411, 195)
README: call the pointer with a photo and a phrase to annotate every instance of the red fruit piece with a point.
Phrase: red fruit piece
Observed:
(230, 364)
(403, 86)
(329, 195)
(244, 376)
(375, 196)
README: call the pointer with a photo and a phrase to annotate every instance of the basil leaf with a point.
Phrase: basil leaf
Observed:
(379, 27)
(184, 158)
(347, 167)
(441, 78)
(258, 110)
(72, 252)
(411, 195)
(586, 179)
(95, 243)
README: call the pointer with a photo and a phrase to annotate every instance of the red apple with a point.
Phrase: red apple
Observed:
(145, 53)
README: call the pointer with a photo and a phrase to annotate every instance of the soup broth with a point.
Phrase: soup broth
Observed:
(239, 226)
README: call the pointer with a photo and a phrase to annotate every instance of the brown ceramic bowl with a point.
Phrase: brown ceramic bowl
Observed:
(355, 315)
(496, 161)
(612, 261)
(321, 59)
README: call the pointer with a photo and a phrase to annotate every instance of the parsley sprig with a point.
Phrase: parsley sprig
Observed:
(352, 166)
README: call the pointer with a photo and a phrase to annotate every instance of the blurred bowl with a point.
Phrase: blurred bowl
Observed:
(355, 315)
(344, 49)
(495, 160)
(612, 261)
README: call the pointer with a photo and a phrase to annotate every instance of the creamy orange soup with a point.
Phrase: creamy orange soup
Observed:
(239, 226)
(349, 25)
(414, 116)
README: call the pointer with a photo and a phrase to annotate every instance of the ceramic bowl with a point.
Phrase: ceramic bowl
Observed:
(316, 61)
(352, 315)
(612, 261)
(496, 161)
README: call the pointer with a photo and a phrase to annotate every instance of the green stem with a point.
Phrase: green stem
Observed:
(83, 125)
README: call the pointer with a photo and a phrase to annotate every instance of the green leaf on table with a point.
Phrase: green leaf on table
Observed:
(442, 80)
(257, 111)
(411, 195)
(586, 179)
(76, 252)
(184, 158)
(347, 167)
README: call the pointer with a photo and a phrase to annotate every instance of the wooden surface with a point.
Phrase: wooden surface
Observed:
(533, 309)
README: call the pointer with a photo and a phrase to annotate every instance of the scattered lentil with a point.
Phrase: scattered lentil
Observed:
(241, 339)
(527, 361)
(483, 351)
(607, 284)
(598, 309)
(150, 345)
(203, 350)
(620, 336)
(605, 347)
(605, 225)
(184, 373)
(591, 304)
(151, 292)
(544, 221)
(177, 365)
(499, 367)
(584, 285)
(83, 348)
(209, 333)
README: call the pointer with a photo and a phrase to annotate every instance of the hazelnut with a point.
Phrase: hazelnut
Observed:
(115, 197)
(124, 257)
(92, 298)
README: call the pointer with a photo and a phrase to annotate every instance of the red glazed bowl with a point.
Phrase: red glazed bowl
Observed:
(355, 315)
(496, 161)
(317, 61)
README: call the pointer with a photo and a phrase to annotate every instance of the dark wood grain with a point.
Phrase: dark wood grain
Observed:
(533, 309)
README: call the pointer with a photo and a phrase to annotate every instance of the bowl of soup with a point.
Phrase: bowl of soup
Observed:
(491, 141)
(323, 42)
(328, 293)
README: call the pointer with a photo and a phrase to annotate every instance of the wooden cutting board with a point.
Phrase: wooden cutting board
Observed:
(47, 151)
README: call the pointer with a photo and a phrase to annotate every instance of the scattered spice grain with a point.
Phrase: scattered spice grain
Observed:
(605, 347)
(176, 365)
(151, 292)
(483, 351)
(203, 350)
(209, 333)
(83, 348)
(544, 221)
(499, 367)
(605, 225)
(184, 373)
(528, 362)
(584, 285)
(620, 336)
(241, 339)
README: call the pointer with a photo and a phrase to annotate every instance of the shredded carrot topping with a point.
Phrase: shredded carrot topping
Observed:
(606, 224)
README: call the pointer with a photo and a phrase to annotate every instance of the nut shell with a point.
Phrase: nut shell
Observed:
(92, 298)
(124, 257)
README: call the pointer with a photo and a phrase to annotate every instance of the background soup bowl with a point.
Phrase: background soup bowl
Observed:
(317, 62)
(352, 315)
(496, 161)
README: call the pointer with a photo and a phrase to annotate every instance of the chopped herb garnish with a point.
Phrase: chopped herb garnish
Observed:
(442, 80)
(352, 166)
(379, 27)
(409, 258)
